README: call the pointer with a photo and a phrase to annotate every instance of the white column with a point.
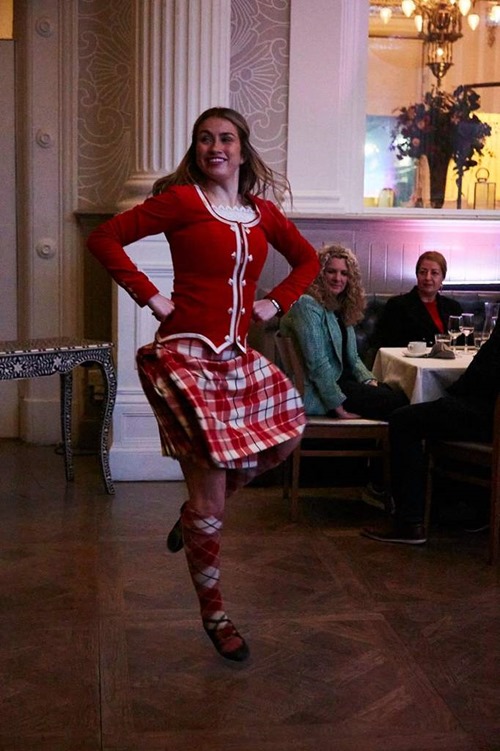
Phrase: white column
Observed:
(181, 68)
(182, 61)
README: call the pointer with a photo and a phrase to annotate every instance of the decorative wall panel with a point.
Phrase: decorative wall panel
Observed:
(105, 101)
(259, 73)
(258, 89)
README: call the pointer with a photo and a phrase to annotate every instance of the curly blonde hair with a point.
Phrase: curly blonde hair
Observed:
(351, 302)
(255, 177)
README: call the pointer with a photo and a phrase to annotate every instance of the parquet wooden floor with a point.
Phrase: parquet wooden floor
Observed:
(356, 645)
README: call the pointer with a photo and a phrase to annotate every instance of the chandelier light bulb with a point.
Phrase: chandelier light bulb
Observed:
(385, 14)
(473, 21)
(495, 14)
(439, 25)
(408, 6)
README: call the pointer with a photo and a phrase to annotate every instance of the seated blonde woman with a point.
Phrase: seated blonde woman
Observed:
(337, 383)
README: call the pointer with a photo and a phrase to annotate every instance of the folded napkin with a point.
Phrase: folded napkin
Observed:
(441, 350)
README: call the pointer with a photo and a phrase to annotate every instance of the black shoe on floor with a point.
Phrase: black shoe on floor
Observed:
(174, 539)
(477, 527)
(407, 534)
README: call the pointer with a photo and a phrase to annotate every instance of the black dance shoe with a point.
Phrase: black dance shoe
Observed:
(174, 539)
(227, 641)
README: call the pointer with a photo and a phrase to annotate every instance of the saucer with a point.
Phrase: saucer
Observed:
(405, 353)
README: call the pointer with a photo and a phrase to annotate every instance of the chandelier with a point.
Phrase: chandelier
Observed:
(439, 25)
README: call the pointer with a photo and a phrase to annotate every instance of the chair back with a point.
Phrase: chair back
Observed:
(463, 454)
(290, 360)
(495, 483)
(496, 429)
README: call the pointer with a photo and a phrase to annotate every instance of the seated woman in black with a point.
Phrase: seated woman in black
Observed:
(420, 314)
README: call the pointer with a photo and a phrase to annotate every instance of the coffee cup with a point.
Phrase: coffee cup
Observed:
(417, 348)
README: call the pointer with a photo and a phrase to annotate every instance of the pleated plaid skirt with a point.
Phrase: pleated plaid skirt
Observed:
(223, 410)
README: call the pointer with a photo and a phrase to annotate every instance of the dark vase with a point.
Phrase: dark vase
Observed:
(438, 168)
(460, 177)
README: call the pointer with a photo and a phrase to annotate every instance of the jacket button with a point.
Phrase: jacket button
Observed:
(229, 310)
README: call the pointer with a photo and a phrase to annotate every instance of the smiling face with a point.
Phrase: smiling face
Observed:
(429, 280)
(336, 275)
(218, 151)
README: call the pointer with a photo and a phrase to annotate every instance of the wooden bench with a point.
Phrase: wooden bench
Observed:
(329, 435)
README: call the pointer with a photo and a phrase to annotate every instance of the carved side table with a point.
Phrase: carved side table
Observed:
(34, 358)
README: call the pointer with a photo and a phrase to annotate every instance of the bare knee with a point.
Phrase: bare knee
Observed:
(206, 488)
(285, 449)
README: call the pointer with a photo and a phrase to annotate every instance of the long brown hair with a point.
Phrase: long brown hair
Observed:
(351, 302)
(254, 177)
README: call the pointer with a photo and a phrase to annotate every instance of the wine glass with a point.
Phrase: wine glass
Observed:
(490, 318)
(467, 328)
(454, 330)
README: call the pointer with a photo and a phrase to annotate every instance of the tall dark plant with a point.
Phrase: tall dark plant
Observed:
(443, 126)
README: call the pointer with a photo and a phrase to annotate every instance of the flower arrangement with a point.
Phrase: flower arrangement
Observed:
(442, 127)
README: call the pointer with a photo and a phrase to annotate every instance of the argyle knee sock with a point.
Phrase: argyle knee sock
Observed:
(201, 536)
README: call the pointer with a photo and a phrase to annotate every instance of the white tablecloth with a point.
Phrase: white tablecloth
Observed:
(421, 378)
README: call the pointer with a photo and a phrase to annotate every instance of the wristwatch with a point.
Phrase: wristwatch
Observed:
(276, 304)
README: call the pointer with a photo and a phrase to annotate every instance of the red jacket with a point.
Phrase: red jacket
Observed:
(216, 262)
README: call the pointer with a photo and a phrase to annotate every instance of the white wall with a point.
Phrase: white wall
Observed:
(327, 105)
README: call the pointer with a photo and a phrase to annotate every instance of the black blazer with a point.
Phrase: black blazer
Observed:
(479, 385)
(406, 319)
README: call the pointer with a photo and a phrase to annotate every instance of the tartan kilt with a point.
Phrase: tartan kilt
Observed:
(222, 409)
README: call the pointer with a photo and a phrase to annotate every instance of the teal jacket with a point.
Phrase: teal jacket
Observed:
(317, 333)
